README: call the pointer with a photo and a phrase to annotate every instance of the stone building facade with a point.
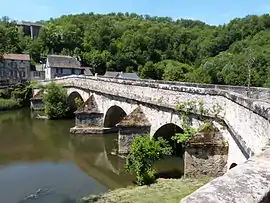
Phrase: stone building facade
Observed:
(14, 68)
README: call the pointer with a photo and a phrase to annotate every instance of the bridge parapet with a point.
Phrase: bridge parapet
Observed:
(258, 102)
(248, 182)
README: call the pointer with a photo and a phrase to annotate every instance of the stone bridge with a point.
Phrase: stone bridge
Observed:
(242, 120)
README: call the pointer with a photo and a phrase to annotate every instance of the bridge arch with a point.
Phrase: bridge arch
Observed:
(113, 116)
(72, 100)
(167, 131)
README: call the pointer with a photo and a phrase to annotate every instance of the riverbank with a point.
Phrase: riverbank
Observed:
(9, 104)
(165, 191)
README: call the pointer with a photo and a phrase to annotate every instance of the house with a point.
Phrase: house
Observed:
(59, 66)
(129, 76)
(14, 68)
(111, 74)
(37, 73)
(30, 28)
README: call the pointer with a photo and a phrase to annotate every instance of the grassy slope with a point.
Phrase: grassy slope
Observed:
(165, 191)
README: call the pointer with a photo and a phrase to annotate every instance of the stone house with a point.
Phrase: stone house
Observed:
(14, 68)
(37, 73)
(59, 65)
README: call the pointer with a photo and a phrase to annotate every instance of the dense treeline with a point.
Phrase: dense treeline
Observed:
(155, 47)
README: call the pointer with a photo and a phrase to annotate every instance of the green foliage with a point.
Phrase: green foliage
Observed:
(156, 47)
(176, 71)
(6, 104)
(78, 102)
(55, 100)
(143, 153)
(188, 132)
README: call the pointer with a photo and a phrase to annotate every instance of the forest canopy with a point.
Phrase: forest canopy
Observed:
(155, 47)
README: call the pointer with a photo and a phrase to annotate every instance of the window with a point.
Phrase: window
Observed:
(13, 64)
(23, 74)
(37, 74)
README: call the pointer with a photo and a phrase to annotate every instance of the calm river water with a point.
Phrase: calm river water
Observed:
(40, 162)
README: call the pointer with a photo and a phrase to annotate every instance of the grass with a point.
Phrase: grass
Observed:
(6, 104)
(165, 191)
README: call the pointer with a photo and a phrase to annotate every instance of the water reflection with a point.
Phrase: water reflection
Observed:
(38, 156)
(40, 162)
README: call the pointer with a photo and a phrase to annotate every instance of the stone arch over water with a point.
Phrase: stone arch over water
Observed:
(167, 131)
(113, 116)
(173, 166)
(73, 96)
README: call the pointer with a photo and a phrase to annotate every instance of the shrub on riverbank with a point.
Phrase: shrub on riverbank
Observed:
(143, 153)
(165, 191)
(7, 104)
(55, 100)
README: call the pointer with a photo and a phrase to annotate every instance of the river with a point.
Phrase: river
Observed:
(41, 162)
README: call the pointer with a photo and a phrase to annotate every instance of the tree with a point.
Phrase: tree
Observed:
(55, 100)
(176, 71)
(98, 61)
(117, 41)
(148, 71)
(143, 153)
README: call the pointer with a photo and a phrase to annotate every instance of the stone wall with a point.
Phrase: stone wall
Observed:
(127, 134)
(88, 120)
(205, 161)
(37, 104)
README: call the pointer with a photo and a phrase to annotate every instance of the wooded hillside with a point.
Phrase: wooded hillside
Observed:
(155, 47)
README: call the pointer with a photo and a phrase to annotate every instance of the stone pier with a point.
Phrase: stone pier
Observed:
(206, 154)
(89, 120)
(132, 125)
(36, 102)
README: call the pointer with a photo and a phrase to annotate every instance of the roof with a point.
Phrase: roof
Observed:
(129, 75)
(135, 118)
(112, 74)
(209, 135)
(40, 67)
(90, 106)
(39, 95)
(87, 71)
(61, 61)
(20, 57)
(26, 23)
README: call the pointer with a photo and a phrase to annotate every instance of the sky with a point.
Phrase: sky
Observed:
(210, 11)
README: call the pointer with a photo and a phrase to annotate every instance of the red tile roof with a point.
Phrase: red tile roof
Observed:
(21, 57)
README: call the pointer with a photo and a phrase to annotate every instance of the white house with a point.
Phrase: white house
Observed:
(59, 65)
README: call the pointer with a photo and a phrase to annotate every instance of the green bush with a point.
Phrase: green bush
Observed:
(55, 100)
(6, 104)
(143, 153)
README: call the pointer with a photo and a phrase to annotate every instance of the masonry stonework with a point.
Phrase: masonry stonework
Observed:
(246, 120)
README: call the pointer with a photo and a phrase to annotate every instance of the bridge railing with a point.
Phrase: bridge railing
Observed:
(255, 93)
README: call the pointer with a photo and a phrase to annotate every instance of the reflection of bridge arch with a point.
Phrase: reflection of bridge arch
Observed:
(93, 157)
(113, 116)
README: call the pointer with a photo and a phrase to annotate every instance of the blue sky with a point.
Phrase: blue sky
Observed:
(210, 11)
